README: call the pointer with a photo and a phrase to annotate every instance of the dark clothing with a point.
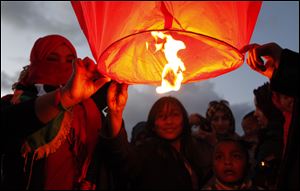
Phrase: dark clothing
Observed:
(13, 130)
(270, 141)
(11, 139)
(269, 153)
(155, 164)
(284, 80)
(13, 133)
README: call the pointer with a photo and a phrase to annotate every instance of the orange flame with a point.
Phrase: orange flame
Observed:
(172, 73)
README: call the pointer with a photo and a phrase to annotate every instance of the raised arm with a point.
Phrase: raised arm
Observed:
(116, 99)
(84, 81)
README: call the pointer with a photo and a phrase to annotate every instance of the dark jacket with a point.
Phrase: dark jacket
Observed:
(269, 153)
(155, 164)
(285, 80)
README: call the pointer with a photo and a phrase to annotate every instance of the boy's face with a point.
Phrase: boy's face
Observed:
(250, 125)
(230, 163)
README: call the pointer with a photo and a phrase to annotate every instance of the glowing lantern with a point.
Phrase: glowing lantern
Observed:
(129, 39)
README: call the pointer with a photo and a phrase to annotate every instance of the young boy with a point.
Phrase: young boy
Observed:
(231, 165)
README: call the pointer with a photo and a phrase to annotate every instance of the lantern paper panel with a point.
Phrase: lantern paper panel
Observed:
(119, 35)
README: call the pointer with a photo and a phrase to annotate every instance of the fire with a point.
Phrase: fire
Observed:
(172, 73)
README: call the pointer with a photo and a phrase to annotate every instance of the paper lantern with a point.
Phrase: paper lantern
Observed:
(120, 35)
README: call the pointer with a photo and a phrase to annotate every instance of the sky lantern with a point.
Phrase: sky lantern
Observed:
(166, 43)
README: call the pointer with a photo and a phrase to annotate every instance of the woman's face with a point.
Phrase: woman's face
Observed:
(230, 163)
(221, 123)
(169, 122)
(62, 58)
(61, 54)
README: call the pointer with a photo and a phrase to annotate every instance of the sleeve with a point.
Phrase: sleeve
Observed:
(284, 80)
(17, 122)
(100, 97)
(122, 156)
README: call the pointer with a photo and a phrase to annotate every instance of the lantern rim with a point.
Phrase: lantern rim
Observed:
(110, 57)
(171, 30)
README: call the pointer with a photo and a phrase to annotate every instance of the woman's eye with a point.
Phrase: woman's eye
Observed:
(70, 59)
(52, 58)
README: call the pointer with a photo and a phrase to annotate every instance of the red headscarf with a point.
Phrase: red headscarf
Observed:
(40, 71)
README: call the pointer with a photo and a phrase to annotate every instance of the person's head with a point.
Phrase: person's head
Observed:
(139, 132)
(51, 61)
(198, 122)
(231, 161)
(23, 75)
(265, 110)
(220, 117)
(168, 119)
(250, 123)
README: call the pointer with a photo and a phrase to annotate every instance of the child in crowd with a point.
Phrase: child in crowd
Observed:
(231, 165)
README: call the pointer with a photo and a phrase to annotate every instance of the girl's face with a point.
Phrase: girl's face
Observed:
(221, 123)
(230, 163)
(169, 122)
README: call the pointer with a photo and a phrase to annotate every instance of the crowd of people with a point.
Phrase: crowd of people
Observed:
(63, 128)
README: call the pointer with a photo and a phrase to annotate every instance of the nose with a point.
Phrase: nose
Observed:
(168, 119)
(227, 161)
(219, 121)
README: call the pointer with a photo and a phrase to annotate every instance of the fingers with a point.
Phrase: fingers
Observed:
(246, 48)
(89, 64)
(117, 89)
(254, 59)
(124, 88)
(100, 82)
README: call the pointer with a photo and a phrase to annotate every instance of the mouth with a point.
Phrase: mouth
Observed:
(168, 130)
(229, 172)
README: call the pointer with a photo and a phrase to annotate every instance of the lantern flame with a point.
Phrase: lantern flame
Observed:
(172, 73)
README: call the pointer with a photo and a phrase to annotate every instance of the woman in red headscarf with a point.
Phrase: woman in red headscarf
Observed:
(56, 143)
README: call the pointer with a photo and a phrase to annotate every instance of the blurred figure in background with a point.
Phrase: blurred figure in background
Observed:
(251, 129)
(201, 128)
(221, 119)
(139, 133)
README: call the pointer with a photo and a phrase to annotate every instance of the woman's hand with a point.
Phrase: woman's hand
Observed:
(116, 99)
(84, 82)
